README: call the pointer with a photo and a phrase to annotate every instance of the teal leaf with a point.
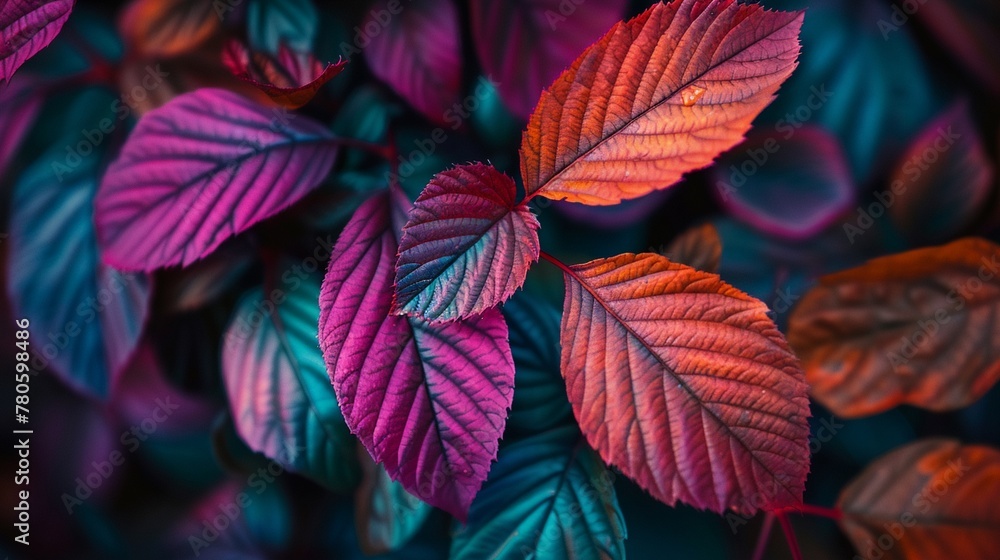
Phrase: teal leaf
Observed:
(280, 397)
(273, 22)
(547, 497)
(387, 516)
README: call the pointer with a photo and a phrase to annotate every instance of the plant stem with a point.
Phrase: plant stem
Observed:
(557, 262)
(765, 535)
(786, 528)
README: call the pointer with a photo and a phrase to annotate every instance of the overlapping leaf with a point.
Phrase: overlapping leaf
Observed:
(684, 384)
(919, 327)
(28, 26)
(419, 55)
(165, 28)
(930, 500)
(428, 401)
(786, 188)
(290, 79)
(549, 496)
(204, 167)
(467, 245)
(279, 394)
(86, 318)
(698, 247)
(272, 23)
(21, 103)
(387, 516)
(943, 181)
(656, 97)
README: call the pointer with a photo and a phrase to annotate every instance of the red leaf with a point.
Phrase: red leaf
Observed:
(685, 384)
(525, 44)
(429, 401)
(930, 500)
(918, 327)
(26, 27)
(418, 53)
(943, 181)
(466, 247)
(658, 96)
(292, 79)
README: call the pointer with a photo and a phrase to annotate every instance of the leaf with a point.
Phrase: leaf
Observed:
(291, 79)
(656, 97)
(540, 401)
(187, 289)
(968, 29)
(387, 516)
(86, 318)
(167, 28)
(419, 54)
(943, 181)
(271, 23)
(933, 499)
(429, 401)
(28, 26)
(280, 397)
(549, 496)
(684, 384)
(21, 102)
(525, 44)
(918, 328)
(200, 169)
(786, 188)
(699, 247)
(466, 247)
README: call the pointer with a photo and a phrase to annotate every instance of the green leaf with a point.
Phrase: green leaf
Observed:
(281, 399)
(549, 496)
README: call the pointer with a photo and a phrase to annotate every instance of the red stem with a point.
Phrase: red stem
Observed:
(809, 509)
(765, 535)
(557, 262)
(786, 528)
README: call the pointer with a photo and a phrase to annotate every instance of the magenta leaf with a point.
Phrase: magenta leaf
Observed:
(791, 188)
(419, 55)
(466, 247)
(525, 44)
(202, 168)
(291, 79)
(428, 401)
(27, 27)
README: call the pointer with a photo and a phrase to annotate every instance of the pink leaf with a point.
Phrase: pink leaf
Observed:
(419, 55)
(429, 401)
(27, 27)
(202, 168)
(292, 79)
(525, 44)
(467, 246)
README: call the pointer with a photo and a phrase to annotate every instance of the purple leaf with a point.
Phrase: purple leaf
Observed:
(27, 27)
(525, 44)
(20, 101)
(787, 188)
(467, 246)
(419, 55)
(429, 401)
(202, 168)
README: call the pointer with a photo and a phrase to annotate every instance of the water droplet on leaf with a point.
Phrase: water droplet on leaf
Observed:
(691, 94)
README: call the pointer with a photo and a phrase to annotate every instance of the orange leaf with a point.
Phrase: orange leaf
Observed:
(919, 327)
(656, 97)
(929, 500)
(165, 28)
(699, 247)
(685, 384)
